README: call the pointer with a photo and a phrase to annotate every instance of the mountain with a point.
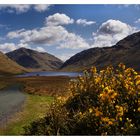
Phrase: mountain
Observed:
(7, 66)
(126, 51)
(35, 61)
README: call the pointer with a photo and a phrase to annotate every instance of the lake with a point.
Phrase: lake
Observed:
(44, 73)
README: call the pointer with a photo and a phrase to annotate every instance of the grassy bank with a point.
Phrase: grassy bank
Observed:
(42, 91)
(3, 84)
(35, 107)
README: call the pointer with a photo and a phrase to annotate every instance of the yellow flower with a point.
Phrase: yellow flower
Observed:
(97, 112)
(103, 96)
(119, 110)
(113, 95)
(138, 82)
(131, 125)
(106, 88)
(80, 113)
(122, 66)
(105, 119)
(90, 110)
(137, 77)
(94, 70)
(120, 118)
(110, 122)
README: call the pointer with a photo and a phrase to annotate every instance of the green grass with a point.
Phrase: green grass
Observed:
(35, 107)
(2, 85)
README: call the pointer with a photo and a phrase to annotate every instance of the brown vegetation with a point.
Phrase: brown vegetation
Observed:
(52, 86)
(39, 85)
(7, 66)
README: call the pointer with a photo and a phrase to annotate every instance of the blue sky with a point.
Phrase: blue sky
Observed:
(64, 30)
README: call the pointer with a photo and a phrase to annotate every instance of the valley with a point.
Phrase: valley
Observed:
(39, 93)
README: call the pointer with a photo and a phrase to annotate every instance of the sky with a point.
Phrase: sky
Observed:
(64, 30)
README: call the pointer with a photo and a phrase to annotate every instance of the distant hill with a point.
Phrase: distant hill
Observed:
(7, 66)
(127, 51)
(35, 61)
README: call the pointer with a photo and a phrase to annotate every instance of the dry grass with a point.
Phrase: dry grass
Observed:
(52, 86)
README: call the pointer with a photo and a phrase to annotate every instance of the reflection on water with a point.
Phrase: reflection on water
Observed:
(70, 74)
(11, 100)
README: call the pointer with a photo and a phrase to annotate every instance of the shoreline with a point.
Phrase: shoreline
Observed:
(14, 106)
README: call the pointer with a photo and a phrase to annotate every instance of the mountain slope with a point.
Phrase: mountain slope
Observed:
(7, 66)
(35, 61)
(126, 51)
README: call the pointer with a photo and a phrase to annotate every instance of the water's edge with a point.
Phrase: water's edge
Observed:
(11, 101)
(69, 74)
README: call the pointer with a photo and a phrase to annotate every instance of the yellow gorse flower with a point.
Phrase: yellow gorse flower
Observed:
(90, 110)
(120, 110)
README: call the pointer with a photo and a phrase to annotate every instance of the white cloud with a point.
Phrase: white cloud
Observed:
(44, 35)
(58, 19)
(42, 7)
(22, 45)
(40, 49)
(84, 22)
(18, 8)
(110, 32)
(15, 34)
(50, 35)
(137, 21)
(6, 47)
(22, 8)
(73, 41)
(65, 56)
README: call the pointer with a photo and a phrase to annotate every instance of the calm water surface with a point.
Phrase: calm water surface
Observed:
(70, 74)
(11, 100)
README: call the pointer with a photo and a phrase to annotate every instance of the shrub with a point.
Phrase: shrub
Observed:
(106, 102)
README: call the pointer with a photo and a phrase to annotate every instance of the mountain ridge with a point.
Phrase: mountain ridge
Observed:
(7, 66)
(34, 60)
(126, 51)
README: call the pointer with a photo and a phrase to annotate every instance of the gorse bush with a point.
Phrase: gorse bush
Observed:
(106, 102)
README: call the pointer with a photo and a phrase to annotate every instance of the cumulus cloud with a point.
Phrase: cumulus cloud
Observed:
(22, 45)
(40, 49)
(7, 47)
(53, 34)
(18, 8)
(15, 34)
(22, 8)
(65, 56)
(84, 22)
(110, 32)
(42, 7)
(50, 35)
(58, 19)
(137, 21)
(74, 41)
